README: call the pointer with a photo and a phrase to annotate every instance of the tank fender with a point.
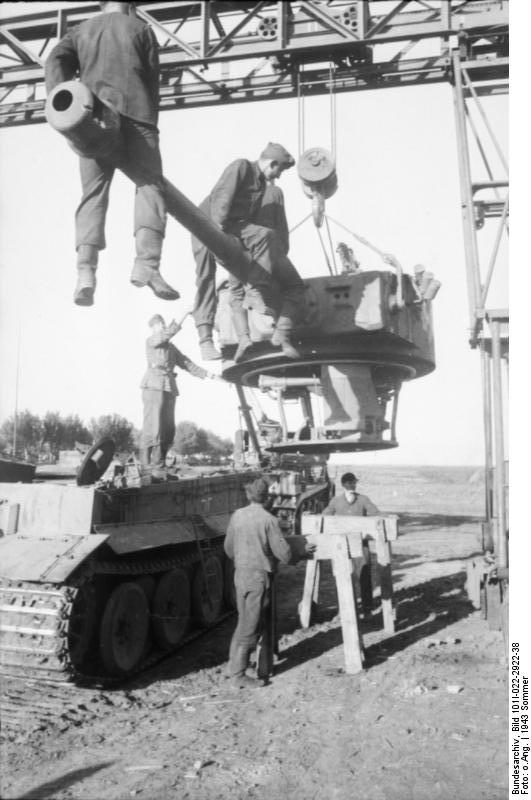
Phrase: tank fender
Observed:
(130, 537)
(50, 560)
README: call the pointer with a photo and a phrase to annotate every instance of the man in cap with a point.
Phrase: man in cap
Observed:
(272, 215)
(350, 502)
(233, 205)
(159, 392)
(116, 57)
(255, 543)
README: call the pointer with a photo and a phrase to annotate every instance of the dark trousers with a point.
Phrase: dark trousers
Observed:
(290, 290)
(260, 242)
(158, 430)
(139, 156)
(252, 600)
(205, 282)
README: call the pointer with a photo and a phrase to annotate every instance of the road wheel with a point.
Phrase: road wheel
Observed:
(207, 591)
(124, 629)
(148, 584)
(83, 627)
(229, 590)
(171, 608)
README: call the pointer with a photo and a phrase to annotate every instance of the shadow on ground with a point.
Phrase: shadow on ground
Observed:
(423, 610)
(409, 522)
(51, 788)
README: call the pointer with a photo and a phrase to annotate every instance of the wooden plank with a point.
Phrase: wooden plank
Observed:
(355, 544)
(383, 553)
(473, 583)
(311, 523)
(370, 527)
(339, 523)
(9, 519)
(352, 644)
(391, 527)
(311, 589)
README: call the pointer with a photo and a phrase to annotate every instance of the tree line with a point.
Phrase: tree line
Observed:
(43, 437)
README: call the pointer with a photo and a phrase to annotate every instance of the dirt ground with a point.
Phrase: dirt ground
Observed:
(394, 732)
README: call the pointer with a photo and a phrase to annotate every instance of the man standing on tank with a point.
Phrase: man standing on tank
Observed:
(116, 57)
(233, 205)
(159, 393)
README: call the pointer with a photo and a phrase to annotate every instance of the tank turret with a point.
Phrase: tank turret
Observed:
(357, 346)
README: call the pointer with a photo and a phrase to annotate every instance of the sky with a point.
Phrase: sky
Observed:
(398, 187)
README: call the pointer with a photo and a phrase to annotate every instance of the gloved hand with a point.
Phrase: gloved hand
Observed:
(310, 549)
(389, 258)
(173, 328)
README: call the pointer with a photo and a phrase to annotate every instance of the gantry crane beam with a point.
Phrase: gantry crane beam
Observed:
(214, 53)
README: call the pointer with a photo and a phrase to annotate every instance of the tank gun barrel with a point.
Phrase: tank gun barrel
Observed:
(71, 109)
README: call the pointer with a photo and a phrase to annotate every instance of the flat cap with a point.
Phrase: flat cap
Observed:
(154, 319)
(258, 490)
(348, 477)
(278, 153)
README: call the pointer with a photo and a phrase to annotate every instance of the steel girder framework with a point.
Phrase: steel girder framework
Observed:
(485, 215)
(213, 53)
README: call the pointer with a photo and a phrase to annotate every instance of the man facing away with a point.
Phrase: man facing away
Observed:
(350, 502)
(233, 205)
(255, 543)
(116, 57)
(159, 393)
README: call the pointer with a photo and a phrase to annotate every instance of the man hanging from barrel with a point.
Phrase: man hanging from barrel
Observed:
(115, 55)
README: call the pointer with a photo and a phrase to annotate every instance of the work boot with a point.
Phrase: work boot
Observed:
(282, 338)
(87, 262)
(146, 269)
(245, 682)
(144, 456)
(206, 343)
(241, 326)
(158, 468)
(239, 660)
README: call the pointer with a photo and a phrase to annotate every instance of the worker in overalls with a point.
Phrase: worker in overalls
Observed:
(159, 392)
(115, 55)
(288, 282)
(255, 543)
(233, 205)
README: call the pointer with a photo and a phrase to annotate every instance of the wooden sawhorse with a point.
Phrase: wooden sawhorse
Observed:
(359, 532)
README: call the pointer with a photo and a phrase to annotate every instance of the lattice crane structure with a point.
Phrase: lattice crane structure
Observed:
(217, 53)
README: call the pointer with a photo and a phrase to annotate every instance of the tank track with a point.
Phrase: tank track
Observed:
(35, 621)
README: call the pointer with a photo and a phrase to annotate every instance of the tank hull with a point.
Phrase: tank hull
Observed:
(71, 554)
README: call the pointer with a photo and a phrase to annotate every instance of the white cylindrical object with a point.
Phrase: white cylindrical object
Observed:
(92, 128)
(349, 399)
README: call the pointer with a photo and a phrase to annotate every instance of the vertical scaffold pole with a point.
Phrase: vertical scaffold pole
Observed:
(499, 471)
(467, 201)
(487, 427)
